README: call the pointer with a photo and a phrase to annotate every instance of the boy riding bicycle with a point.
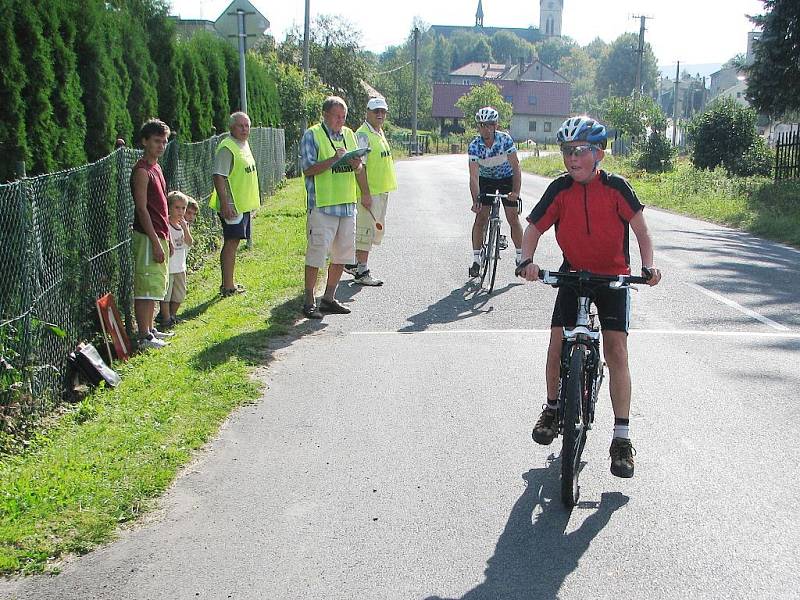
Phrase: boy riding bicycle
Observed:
(592, 211)
(493, 165)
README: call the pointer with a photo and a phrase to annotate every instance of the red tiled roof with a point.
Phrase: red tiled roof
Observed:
(552, 97)
(479, 69)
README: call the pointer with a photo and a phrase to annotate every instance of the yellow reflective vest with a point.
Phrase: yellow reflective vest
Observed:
(334, 186)
(380, 165)
(243, 178)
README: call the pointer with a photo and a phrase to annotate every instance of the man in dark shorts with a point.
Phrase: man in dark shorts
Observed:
(593, 211)
(493, 165)
(235, 194)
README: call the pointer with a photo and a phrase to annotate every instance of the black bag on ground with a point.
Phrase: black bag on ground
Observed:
(91, 365)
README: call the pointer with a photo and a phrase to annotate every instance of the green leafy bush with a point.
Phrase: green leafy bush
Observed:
(725, 135)
(656, 154)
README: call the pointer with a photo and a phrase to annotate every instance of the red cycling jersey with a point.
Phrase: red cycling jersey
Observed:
(591, 221)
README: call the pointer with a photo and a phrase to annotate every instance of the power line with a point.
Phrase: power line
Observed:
(395, 69)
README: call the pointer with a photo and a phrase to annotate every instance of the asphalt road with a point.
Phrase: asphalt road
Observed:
(390, 457)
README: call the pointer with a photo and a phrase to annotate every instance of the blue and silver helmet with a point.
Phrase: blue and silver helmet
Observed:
(582, 129)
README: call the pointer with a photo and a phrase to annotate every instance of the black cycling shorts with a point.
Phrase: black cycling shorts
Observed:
(613, 308)
(490, 186)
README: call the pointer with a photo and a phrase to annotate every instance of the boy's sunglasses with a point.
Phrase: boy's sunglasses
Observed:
(578, 150)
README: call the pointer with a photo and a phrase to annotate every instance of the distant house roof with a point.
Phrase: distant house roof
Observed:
(551, 97)
(486, 70)
(479, 69)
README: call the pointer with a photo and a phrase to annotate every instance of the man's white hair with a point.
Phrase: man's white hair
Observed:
(236, 115)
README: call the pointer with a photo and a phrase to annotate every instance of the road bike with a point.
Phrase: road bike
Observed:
(493, 241)
(582, 369)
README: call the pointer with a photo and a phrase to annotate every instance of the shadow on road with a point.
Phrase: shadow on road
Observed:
(257, 347)
(467, 301)
(534, 555)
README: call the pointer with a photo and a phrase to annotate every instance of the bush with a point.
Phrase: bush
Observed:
(656, 154)
(757, 160)
(725, 135)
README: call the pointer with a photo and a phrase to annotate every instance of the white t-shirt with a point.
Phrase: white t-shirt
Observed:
(177, 262)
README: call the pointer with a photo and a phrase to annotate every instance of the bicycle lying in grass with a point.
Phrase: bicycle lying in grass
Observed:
(493, 242)
(582, 368)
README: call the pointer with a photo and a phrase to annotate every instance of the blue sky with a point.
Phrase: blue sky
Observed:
(692, 31)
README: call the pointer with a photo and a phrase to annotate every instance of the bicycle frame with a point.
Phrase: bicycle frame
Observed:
(578, 391)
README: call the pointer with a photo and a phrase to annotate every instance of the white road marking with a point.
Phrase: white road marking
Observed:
(678, 332)
(739, 307)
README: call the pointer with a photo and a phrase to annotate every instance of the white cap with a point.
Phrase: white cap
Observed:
(377, 102)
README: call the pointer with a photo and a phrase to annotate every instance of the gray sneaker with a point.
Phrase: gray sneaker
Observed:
(546, 428)
(151, 343)
(351, 269)
(366, 279)
(622, 452)
(162, 335)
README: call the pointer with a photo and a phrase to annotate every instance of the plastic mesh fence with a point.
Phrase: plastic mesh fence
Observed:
(65, 241)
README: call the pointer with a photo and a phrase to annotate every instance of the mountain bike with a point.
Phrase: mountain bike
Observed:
(493, 241)
(582, 369)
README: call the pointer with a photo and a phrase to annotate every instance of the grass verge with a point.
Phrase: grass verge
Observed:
(755, 204)
(103, 462)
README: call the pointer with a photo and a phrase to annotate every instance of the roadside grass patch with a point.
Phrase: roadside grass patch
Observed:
(104, 461)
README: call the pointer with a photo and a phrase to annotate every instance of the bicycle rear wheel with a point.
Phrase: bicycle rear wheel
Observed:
(574, 435)
(495, 254)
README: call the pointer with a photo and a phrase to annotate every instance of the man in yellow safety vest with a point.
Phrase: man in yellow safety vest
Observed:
(235, 194)
(371, 222)
(332, 188)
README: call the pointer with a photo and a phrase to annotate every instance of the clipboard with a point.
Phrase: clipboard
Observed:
(348, 156)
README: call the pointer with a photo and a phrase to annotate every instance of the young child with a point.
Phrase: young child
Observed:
(192, 208)
(181, 242)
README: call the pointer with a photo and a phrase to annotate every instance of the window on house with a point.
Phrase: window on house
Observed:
(509, 98)
(531, 125)
(548, 126)
(738, 94)
(532, 100)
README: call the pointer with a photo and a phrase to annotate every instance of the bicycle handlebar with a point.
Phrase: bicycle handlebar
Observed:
(556, 277)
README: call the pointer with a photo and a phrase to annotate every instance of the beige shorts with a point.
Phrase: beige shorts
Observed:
(329, 235)
(367, 234)
(176, 290)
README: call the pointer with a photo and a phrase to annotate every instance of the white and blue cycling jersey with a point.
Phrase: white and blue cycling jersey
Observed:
(493, 162)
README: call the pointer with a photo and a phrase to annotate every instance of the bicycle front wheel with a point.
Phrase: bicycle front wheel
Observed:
(489, 244)
(495, 254)
(574, 437)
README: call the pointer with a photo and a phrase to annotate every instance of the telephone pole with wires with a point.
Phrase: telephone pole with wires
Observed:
(639, 55)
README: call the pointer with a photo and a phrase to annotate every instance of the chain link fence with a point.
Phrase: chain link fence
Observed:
(65, 241)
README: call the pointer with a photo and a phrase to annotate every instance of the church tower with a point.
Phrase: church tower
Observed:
(550, 17)
(479, 15)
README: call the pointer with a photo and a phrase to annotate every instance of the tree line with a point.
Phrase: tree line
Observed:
(77, 75)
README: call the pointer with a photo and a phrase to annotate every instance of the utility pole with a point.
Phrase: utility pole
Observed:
(416, 90)
(675, 103)
(242, 71)
(306, 71)
(639, 56)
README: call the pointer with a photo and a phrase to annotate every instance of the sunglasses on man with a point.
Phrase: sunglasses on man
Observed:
(578, 150)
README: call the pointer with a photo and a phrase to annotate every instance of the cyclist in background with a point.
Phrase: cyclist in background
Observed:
(592, 211)
(493, 165)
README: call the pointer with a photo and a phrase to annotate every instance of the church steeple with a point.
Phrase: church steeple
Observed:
(479, 15)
